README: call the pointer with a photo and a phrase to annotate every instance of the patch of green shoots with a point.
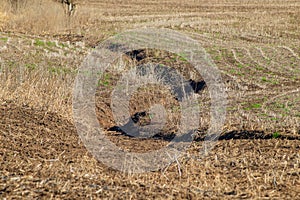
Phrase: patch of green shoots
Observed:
(50, 44)
(240, 66)
(31, 66)
(4, 39)
(254, 106)
(276, 135)
(38, 42)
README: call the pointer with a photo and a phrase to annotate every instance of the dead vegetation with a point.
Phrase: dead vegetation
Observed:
(256, 47)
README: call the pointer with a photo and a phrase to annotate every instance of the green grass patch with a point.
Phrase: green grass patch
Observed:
(4, 39)
(61, 70)
(11, 64)
(31, 66)
(276, 135)
(218, 57)
(183, 59)
(105, 81)
(259, 68)
(273, 81)
(38, 42)
(240, 66)
(232, 71)
(274, 118)
(264, 79)
(282, 107)
(50, 44)
(62, 45)
(254, 106)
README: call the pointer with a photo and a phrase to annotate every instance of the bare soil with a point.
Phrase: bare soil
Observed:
(42, 157)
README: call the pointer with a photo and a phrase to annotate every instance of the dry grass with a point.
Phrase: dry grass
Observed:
(255, 45)
(30, 77)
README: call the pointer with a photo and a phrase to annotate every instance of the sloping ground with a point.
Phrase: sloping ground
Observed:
(258, 56)
(41, 156)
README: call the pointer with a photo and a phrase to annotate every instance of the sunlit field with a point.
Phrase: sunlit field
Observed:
(254, 44)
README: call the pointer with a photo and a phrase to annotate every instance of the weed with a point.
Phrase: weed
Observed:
(240, 74)
(38, 42)
(264, 79)
(240, 66)
(30, 66)
(11, 64)
(60, 71)
(54, 70)
(50, 44)
(276, 135)
(275, 82)
(183, 57)
(62, 45)
(105, 81)
(274, 118)
(218, 57)
(259, 68)
(233, 71)
(4, 39)
(230, 108)
(254, 106)
(268, 61)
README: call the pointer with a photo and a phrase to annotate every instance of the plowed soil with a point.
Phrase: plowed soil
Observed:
(42, 157)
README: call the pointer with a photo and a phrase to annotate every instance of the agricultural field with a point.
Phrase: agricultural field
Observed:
(255, 45)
